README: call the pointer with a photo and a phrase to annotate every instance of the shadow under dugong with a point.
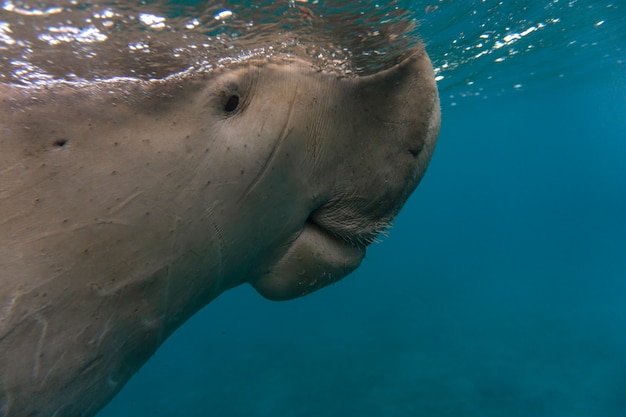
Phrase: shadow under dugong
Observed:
(128, 205)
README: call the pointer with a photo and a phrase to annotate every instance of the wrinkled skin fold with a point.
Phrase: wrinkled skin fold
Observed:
(126, 206)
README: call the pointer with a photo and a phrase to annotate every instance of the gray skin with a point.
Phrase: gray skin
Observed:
(127, 206)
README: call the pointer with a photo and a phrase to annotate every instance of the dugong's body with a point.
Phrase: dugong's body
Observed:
(127, 205)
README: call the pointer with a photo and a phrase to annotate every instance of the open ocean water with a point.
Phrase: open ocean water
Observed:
(501, 289)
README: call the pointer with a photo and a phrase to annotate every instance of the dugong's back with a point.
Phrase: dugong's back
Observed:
(129, 202)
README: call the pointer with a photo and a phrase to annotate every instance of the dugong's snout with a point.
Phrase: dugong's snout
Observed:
(390, 138)
(374, 157)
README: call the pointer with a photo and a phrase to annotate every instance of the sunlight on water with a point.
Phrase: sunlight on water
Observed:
(82, 42)
(486, 48)
(479, 48)
(29, 10)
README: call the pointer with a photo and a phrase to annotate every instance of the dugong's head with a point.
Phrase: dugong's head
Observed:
(343, 155)
(127, 203)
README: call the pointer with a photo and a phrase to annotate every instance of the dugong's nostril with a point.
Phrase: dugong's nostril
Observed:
(416, 147)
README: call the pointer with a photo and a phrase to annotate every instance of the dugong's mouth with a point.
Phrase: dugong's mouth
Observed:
(345, 236)
(319, 256)
(339, 238)
(347, 223)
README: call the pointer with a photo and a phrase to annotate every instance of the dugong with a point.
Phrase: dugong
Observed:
(127, 205)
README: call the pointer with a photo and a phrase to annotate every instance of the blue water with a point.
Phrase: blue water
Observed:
(501, 290)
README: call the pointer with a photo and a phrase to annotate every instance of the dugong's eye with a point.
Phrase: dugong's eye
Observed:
(231, 104)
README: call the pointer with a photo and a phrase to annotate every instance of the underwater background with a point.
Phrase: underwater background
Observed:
(501, 289)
